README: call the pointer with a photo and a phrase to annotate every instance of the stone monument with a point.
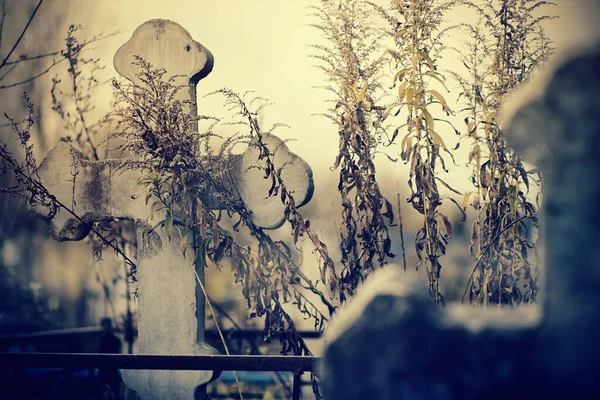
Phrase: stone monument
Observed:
(171, 312)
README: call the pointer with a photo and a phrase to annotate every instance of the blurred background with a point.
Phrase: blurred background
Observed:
(260, 45)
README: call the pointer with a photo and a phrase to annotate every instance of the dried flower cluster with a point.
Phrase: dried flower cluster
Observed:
(352, 63)
(507, 47)
(416, 28)
(185, 170)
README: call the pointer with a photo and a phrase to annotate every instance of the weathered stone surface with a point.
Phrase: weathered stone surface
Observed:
(166, 44)
(171, 306)
(96, 192)
(392, 343)
(168, 321)
(170, 316)
(268, 212)
(102, 191)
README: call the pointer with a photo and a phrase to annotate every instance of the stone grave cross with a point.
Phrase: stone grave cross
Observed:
(171, 305)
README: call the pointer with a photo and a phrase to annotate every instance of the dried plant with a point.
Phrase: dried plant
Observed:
(12, 64)
(73, 102)
(26, 182)
(415, 26)
(80, 92)
(476, 62)
(184, 170)
(185, 174)
(352, 62)
(504, 52)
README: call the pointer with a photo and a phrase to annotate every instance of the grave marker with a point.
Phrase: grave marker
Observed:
(171, 312)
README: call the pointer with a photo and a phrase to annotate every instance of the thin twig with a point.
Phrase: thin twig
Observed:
(54, 63)
(22, 34)
(94, 39)
(212, 311)
(7, 72)
(400, 228)
(2, 21)
(39, 186)
(24, 58)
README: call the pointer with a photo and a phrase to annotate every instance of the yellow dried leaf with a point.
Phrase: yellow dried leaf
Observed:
(183, 243)
(404, 141)
(466, 199)
(401, 33)
(400, 75)
(363, 91)
(441, 99)
(387, 112)
(437, 139)
(402, 90)
(470, 128)
(428, 60)
(409, 95)
(437, 77)
(428, 118)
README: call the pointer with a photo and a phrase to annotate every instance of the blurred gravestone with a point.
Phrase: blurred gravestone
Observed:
(171, 305)
(409, 349)
(555, 125)
(391, 342)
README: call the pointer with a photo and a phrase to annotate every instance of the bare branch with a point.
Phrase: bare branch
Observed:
(32, 78)
(21, 35)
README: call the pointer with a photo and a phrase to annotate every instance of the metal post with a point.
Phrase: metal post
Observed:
(296, 391)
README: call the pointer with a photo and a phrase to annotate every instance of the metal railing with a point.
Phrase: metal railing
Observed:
(164, 362)
(295, 364)
(46, 349)
(90, 331)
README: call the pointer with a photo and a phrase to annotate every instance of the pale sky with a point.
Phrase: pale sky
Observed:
(262, 45)
(259, 45)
